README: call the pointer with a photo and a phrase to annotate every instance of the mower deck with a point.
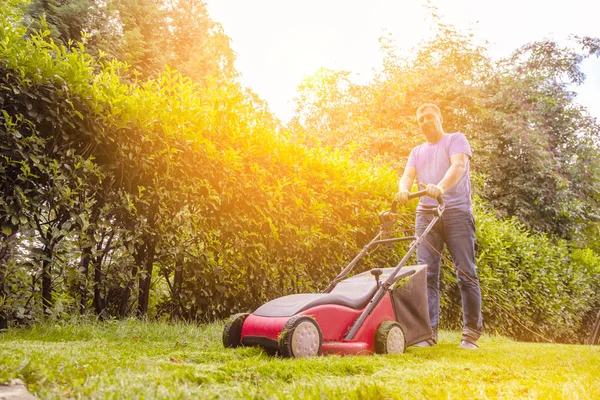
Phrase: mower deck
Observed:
(265, 326)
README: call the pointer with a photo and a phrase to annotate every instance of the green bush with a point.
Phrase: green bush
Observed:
(179, 179)
(533, 288)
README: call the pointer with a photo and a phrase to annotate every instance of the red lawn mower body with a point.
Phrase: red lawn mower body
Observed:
(378, 311)
(264, 329)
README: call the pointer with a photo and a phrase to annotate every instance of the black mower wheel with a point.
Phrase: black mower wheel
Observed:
(301, 337)
(390, 338)
(232, 332)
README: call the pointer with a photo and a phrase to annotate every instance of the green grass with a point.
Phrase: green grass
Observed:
(136, 359)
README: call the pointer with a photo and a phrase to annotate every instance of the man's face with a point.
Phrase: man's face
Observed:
(430, 123)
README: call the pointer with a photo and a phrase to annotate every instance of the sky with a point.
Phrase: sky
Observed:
(280, 42)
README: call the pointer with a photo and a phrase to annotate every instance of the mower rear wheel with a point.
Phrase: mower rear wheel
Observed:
(301, 337)
(390, 338)
(232, 332)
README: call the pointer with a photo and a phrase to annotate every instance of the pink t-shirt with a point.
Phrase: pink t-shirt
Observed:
(432, 160)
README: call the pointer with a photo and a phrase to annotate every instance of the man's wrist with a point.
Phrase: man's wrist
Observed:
(441, 189)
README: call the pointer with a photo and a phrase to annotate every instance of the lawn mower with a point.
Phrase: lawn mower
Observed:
(383, 310)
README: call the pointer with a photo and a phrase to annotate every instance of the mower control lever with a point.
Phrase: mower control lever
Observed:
(376, 272)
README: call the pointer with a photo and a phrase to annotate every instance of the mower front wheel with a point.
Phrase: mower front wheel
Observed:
(301, 337)
(232, 332)
(390, 338)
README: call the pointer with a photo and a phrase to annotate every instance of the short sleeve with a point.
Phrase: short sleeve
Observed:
(412, 162)
(459, 144)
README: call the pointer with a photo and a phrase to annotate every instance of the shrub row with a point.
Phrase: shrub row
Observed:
(533, 288)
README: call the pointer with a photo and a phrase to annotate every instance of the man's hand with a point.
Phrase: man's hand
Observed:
(401, 197)
(434, 191)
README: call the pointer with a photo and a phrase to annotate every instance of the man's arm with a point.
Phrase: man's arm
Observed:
(408, 177)
(458, 167)
(404, 185)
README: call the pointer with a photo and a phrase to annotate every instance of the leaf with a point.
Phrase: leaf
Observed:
(7, 230)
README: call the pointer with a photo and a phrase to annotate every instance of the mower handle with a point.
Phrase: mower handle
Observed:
(411, 196)
(387, 219)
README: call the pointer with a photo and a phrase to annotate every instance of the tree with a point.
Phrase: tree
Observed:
(538, 148)
(535, 148)
(197, 46)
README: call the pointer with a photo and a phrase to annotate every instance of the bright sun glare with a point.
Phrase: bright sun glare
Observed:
(279, 43)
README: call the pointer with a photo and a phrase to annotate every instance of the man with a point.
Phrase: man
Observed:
(442, 163)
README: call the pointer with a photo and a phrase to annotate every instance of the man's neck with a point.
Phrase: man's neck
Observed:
(436, 138)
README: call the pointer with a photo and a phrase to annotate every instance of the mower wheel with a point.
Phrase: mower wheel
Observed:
(390, 338)
(301, 337)
(232, 332)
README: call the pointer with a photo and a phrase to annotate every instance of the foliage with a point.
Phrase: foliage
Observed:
(536, 148)
(164, 180)
(533, 288)
(148, 35)
(134, 359)
(183, 198)
(542, 144)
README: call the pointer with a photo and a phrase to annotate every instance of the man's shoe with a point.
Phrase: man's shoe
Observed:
(469, 339)
(425, 343)
(467, 344)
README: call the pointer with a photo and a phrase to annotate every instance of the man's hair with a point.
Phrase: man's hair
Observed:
(429, 105)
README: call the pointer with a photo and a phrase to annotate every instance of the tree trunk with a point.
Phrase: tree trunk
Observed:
(125, 300)
(86, 258)
(47, 279)
(177, 283)
(146, 278)
(595, 336)
(145, 259)
(98, 300)
(137, 256)
(124, 303)
(86, 255)
(6, 247)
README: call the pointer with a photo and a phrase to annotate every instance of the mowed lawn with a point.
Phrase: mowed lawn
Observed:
(136, 359)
